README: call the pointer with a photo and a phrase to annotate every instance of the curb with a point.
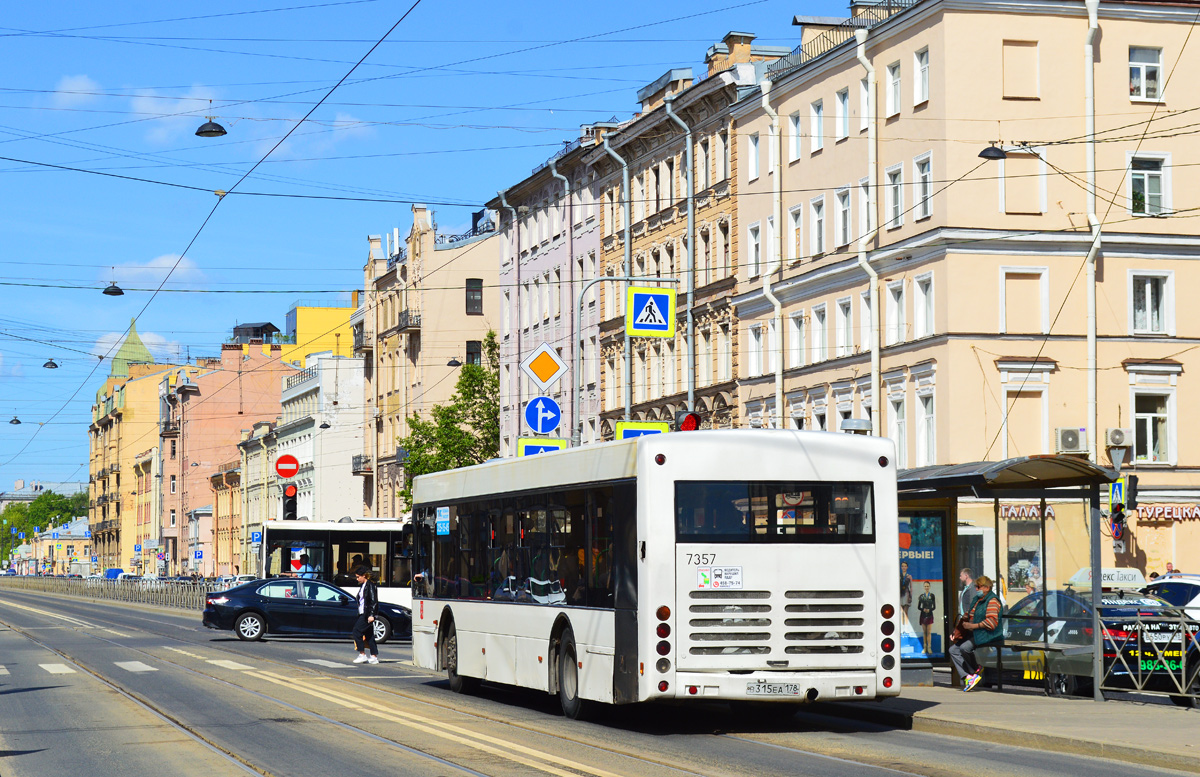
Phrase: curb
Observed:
(1015, 738)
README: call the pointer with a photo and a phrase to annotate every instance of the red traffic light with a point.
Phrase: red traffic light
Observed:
(687, 421)
(289, 490)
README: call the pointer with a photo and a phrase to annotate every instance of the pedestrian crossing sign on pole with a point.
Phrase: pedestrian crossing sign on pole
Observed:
(649, 312)
(1116, 493)
(628, 429)
(528, 446)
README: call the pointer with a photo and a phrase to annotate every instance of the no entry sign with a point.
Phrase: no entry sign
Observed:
(287, 465)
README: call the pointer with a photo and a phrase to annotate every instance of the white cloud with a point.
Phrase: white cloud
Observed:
(150, 274)
(318, 137)
(179, 116)
(74, 90)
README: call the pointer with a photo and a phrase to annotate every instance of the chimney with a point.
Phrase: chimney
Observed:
(18, 485)
(734, 48)
(376, 248)
(674, 80)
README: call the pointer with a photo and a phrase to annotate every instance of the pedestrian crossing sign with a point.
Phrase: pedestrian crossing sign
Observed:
(649, 312)
(626, 430)
(528, 446)
(1116, 493)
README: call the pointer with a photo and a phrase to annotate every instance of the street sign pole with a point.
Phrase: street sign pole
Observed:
(576, 421)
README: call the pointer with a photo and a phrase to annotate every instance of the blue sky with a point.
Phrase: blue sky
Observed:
(462, 99)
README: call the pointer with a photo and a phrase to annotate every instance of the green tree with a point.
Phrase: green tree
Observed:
(48, 509)
(462, 432)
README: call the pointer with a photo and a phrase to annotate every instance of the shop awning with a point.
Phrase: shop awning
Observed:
(1021, 473)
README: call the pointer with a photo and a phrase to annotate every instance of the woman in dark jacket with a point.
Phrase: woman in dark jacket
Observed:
(368, 608)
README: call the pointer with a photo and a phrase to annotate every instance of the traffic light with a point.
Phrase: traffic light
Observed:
(686, 421)
(1131, 492)
(1116, 520)
(289, 502)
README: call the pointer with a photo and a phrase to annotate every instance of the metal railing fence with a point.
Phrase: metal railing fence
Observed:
(164, 593)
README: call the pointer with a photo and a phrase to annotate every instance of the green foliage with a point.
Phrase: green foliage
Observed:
(464, 431)
(48, 509)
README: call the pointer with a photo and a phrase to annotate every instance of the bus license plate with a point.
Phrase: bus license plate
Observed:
(772, 689)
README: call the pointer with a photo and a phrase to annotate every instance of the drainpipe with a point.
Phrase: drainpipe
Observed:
(628, 268)
(1089, 112)
(516, 227)
(872, 227)
(777, 261)
(569, 226)
(690, 334)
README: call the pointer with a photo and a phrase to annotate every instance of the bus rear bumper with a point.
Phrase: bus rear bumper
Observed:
(780, 686)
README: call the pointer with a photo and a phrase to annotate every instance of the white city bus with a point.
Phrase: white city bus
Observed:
(744, 565)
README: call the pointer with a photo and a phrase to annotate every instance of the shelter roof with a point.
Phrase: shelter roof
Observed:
(1023, 473)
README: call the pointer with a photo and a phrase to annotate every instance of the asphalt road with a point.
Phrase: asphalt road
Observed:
(95, 688)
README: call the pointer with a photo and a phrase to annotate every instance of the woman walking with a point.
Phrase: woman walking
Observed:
(364, 627)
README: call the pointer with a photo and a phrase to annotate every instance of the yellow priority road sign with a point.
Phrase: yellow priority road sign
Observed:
(649, 311)
(543, 366)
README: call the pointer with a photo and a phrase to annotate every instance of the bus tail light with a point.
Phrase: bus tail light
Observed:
(663, 648)
(858, 690)
(888, 628)
(664, 630)
(663, 612)
(887, 611)
(888, 645)
(887, 682)
(888, 662)
(663, 686)
(693, 690)
(663, 665)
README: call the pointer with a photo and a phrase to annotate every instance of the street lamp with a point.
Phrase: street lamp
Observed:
(50, 365)
(15, 421)
(992, 152)
(113, 290)
(210, 129)
(454, 362)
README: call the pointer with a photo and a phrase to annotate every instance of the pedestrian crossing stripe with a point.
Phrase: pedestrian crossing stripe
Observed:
(649, 312)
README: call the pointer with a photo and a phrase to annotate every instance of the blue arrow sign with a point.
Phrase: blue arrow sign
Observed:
(54, 535)
(87, 533)
(22, 536)
(543, 415)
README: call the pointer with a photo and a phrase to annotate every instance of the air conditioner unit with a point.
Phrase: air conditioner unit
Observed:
(1118, 438)
(1068, 439)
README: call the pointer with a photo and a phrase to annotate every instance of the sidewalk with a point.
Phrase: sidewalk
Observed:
(1138, 732)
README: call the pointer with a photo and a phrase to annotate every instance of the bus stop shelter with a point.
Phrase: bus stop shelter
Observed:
(947, 506)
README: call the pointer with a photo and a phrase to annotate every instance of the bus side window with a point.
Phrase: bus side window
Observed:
(600, 528)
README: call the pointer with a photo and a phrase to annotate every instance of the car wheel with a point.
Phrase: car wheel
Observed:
(458, 683)
(1192, 700)
(250, 627)
(1059, 684)
(573, 706)
(383, 629)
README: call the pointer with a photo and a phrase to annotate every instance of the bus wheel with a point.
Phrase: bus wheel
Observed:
(573, 707)
(458, 683)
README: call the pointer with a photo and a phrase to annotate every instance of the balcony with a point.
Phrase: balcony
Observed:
(361, 344)
(360, 465)
(409, 321)
(114, 468)
(169, 428)
(107, 526)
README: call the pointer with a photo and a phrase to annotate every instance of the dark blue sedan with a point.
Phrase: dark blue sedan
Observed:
(298, 607)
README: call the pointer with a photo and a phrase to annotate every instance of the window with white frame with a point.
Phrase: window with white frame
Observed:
(723, 137)
(1148, 192)
(771, 244)
(1151, 427)
(795, 343)
(816, 226)
(923, 307)
(893, 89)
(703, 173)
(1145, 73)
(896, 430)
(895, 196)
(753, 251)
(845, 328)
(795, 218)
(752, 157)
(864, 105)
(794, 137)
(505, 327)
(924, 193)
(843, 217)
(669, 174)
(704, 357)
(772, 346)
(842, 114)
(820, 334)
(864, 317)
(591, 357)
(725, 355)
(921, 77)
(864, 206)
(925, 431)
(1151, 302)
(556, 292)
(895, 314)
(819, 423)
(816, 113)
(754, 360)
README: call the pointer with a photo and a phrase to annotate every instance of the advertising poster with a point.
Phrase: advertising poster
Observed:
(922, 592)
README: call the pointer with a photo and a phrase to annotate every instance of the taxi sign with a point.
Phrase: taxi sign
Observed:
(528, 446)
(649, 312)
(544, 366)
(626, 430)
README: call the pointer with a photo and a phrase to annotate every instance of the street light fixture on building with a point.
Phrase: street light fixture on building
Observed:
(454, 362)
(992, 152)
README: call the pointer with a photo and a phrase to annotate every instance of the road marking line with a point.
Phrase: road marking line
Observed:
(183, 652)
(135, 666)
(72, 621)
(330, 664)
(3, 670)
(228, 664)
(477, 740)
(57, 668)
(114, 633)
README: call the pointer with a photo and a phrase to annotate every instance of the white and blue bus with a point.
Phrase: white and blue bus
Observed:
(742, 565)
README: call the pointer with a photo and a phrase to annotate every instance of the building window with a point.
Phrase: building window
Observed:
(173, 448)
(754, 248)
(820, 335)
(724, 137)
(895, 313)
(925, 433)
(795, 249)
(173, 484)
(796, 340)
(705, 176)
(843, 217)
(772, 346)
(475, 352)
(752, 157)
(924, 202)
(864, 206)
(794, 137)
(1146, 186)
(1151, 421)
(923, 307)
(893, 92)
(817, 226)
(817, 130)
(897, 433)
(725, 355)
(845, 328)
(819, 423)
(474, 296)
(843, 114)
(172, 517)
(1151, 303)
(921, 77)
(754, 361)
(895, 197)
(864, 99)
(1145, 71)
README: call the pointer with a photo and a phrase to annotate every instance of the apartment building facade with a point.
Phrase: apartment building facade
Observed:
(429, 302)
(653, 146)
(981, 268)
(549, 233)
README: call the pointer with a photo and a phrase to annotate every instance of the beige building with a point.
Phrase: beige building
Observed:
(865, 153)
(429, 302)
(654, 148)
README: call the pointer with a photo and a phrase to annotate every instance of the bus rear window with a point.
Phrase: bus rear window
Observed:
(773, 512)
